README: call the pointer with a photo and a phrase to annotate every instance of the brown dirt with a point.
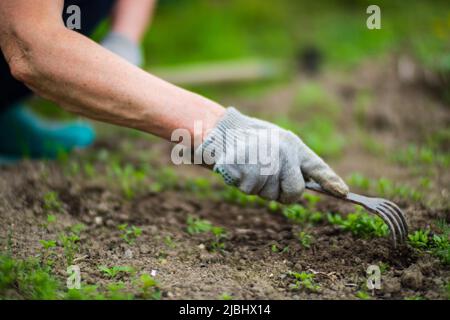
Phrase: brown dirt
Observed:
(247, 268)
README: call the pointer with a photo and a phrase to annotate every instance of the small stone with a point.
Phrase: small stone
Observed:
(201, 246)
(145, 249)
(391, 285)
(102, 207)
(98, 220)
(412, 278)
(128, 254)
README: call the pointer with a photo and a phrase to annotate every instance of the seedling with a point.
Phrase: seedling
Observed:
(301, 215)
(113, 272)
(47, 248)
(197, 225)
(219, 235)
(129, 233)
(303, 281)
(305, 239)
(234, 195)
(273, 206)
(52, 204)
(51, 219)
(69, 242)
(225, 296)
(28, 278)
(363, 295)
(117, 291)
(311, 199)
(149, 287)
(168, 241)
(165, 179)
(436, 244)
(360, 224)
(86, 292)
(130, 179)
(199, 186)
(419, 239)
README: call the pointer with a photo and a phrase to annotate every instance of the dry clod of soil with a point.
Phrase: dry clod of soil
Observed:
(412, 278)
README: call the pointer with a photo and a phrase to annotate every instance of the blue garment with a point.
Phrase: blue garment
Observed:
(23, 134)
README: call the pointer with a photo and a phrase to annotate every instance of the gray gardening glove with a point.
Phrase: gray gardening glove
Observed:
(124, 47)
(283, 164)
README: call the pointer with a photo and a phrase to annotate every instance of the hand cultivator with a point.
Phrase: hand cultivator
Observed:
(385, 209)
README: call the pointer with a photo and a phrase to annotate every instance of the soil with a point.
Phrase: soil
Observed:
(400, 113)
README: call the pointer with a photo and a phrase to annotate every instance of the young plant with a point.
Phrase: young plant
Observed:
(117, 291)
(436, 244)
(129, 233)
(168, 241)
(51, 203)
(303, 281)
(113, 272)
(196, 225)
(419, 239)
(305, 239)
(360, 224)
(301, 215)
(69, 242)
(219, 237)
(149, 287)
(51, 219)
(363, 295)
(47, 251)
(129, 178)
(27, 279)
(226, 296)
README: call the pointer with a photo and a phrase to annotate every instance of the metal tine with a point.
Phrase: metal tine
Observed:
(397, 215)
(387, 220)
(385, 209)
(400, 212)
(390, 215)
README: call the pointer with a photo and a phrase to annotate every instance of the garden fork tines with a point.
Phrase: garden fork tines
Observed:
(385, 209)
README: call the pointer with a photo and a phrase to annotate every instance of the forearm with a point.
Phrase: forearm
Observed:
(132, 17)
(87, 79)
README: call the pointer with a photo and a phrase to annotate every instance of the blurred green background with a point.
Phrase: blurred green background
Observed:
(203, 31)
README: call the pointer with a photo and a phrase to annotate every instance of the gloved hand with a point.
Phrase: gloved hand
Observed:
(124, 47)
(283, 161)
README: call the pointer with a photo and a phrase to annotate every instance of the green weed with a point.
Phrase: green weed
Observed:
(305, 239)
(196, 225)
(114, 271)
(52, 203)
(225, 296)
(149, 287)
(129, 233)
(28, 279)
(436, 244)
(363, 295)
(301, 215)
(360, 224)
(130, 179)
(69, 242)
(303, 281)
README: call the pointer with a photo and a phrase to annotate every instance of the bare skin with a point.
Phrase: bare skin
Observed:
(84, 78)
